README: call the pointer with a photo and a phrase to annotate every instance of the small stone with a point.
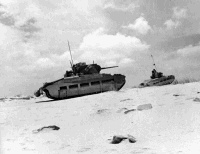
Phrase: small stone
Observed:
(144, 107)
(131, 139)
(53, 127)
(196, 99)
(129, 111)
(117, 139)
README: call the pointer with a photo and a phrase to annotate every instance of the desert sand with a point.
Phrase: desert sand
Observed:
(163, 120)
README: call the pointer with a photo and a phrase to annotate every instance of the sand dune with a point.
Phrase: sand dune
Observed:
(162, 120)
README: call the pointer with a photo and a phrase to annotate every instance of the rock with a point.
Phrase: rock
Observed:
(131, 139)
(120, 110)
(144, 107)
(176, 95)
(101, 111)
(53, 127)
(118, 139)
(125, 100)
(2, 99)
(196, 99)
(129, 111)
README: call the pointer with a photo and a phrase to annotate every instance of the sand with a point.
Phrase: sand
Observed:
(163, 120)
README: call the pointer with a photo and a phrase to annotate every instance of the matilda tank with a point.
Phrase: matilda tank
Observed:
(82, 80)
(165, 80)
(157, 79)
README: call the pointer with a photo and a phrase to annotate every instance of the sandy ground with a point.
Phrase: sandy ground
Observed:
(87, 124)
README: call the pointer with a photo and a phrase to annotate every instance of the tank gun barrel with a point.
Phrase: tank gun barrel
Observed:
(108, 67)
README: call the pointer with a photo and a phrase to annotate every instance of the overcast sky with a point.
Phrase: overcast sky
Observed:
(34, 35)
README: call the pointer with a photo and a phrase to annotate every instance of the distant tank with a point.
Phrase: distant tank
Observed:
(164, 80)
(157, 79)
(82, 80)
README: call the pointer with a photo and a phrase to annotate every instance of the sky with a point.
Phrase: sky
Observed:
(34, 36)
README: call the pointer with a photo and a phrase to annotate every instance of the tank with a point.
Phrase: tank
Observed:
(157, 79)
(82, 80)
(164, 80)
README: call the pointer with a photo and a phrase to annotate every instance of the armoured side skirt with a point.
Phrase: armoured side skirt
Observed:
(80, 95)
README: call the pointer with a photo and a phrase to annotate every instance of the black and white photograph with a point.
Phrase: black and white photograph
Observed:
(99, 76)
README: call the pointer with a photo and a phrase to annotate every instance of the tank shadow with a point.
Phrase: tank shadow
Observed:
(52, 100)
(47, 101)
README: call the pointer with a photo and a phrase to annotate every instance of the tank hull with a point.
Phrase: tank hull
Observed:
(77, 86)
(165, 80)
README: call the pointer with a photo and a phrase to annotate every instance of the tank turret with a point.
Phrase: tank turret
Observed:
(83, 68)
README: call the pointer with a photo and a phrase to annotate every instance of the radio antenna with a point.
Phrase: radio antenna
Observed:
(70, 55)
(153, 62)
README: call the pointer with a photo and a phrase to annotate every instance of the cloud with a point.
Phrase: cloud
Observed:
(32, 32)
(126, 62)
(44, 63)
(124, 7)
(190, 52)
(187, 60)
(29, 29)
(170, 24)
(175, 21)
(6, 18)
(104, 47)
(172, 44)
(140, 25)
(179, 13)
(184, 62)
(26, 26)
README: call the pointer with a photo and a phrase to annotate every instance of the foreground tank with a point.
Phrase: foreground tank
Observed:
(79, 83)
(164, 80)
